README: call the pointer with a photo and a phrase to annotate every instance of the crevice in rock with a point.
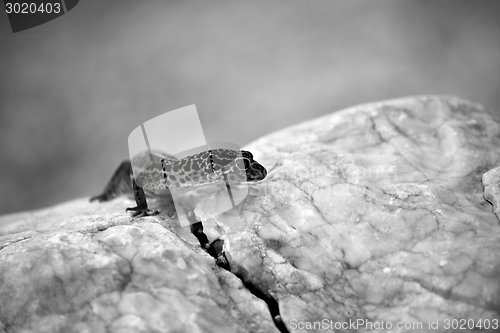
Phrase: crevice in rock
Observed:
(488, 197)
(13, 242)
(215, 249)
(7, 327)
(271, 302)
(491, 203)
(127, 276)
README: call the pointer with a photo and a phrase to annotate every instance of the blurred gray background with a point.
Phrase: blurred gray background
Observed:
(74, 88)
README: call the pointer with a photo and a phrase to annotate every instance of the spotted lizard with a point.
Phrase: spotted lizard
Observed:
(159, 173)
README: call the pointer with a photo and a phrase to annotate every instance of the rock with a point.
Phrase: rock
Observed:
(82, 267)
(370, 216)
(491, 183)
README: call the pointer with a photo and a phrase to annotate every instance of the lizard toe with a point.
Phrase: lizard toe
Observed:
(141, 212)
(222, 262)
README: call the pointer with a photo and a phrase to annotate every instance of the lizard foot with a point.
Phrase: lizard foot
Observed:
(140, 212)
(142, 205)
(216, 250)
(222, 262)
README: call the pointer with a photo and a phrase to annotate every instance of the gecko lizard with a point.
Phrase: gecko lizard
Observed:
(158, 173)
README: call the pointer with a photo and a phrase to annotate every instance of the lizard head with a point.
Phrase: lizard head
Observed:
(253, 169)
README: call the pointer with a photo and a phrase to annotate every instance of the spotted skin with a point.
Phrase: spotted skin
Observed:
(207, 167)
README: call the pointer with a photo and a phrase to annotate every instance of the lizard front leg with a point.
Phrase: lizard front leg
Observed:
(215, 249)
(140, 199)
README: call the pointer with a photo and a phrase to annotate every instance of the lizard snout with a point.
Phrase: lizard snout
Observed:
(256, 172)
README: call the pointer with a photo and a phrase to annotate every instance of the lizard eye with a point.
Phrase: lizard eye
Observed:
(246, 154)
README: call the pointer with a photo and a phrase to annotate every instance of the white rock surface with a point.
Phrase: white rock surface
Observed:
(81, 267)
(374, 213)
(491, 183)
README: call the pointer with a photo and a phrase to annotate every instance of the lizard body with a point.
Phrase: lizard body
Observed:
(208, 167)
(158, 173)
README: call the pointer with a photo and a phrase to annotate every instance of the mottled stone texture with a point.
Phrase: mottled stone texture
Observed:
(491, 183)
(376, 212)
